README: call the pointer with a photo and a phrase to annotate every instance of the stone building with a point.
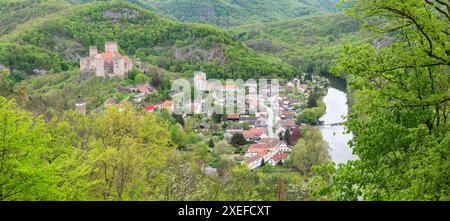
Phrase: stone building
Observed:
(107, 64)
(200, 82)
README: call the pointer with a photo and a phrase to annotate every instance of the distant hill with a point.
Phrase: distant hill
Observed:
(16, 12)
(310, 44)
(238, 12)
(64, 31)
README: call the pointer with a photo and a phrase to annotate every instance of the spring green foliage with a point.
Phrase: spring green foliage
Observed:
(38, 162)
(309, 44)
(238, 12)
(27, 58)
(119, 155)
(400, 118)
(16, 12)
(310, 151)
(54, 93)
(174, 46)
(312, 115)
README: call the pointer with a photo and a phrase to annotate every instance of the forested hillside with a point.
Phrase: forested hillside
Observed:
(238, 12)
(174, 46)
(16, 12)
(395, 56)
(310, 44)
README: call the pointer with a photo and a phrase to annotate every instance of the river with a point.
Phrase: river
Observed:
(337, 108)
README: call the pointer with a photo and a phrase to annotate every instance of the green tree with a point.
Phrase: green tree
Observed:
(310, 151)
(246, 126)
(127, 148)
(312, 100)
(238, 140)
(311, 115)
(400, 119)
(39, 160)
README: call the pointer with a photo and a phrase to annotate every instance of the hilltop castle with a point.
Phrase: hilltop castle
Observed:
(107, 64)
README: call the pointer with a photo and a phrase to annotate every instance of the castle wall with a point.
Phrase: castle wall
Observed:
(87, 65)
(96, 63)
(93, 51)
(100, 69)
(128, 66)
(119, 68)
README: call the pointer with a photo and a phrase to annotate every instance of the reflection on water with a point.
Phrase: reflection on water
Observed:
(337, 107)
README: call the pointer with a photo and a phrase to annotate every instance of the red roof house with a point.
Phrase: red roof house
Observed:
(150, 108)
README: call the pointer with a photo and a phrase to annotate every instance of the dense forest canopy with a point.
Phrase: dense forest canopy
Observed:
(174, 46)
(238, 12)
(309, 44)
(401, 114)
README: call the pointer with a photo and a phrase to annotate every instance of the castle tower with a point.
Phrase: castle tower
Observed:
(92, 51)
(111, 47)
(119, 68)
(99, 64)
(80, 105)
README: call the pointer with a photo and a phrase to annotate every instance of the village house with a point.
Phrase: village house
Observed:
(203, 127)
(150, 108)
(262, 122)
(287, 115)
(107, 64)
(255, 134)
(145, 88)
(282, 125)
(264, 151)
(166, 105)
(234, 129)
(247, 119)
(200, 82)
(277, 158)
(233, 117)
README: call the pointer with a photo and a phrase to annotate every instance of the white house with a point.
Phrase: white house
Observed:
(200, 82)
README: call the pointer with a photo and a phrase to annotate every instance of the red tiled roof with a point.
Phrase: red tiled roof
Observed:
(270, 142)
(144, 88)
(150, 108)
(199, 77)
(254, 132)
(253, 159)
(233, 116)
(167, 104)
(107, 55)
(280, 156)
(259, 149)
(289, 123)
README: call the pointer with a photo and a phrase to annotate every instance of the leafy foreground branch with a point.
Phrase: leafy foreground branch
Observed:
(120, 155)
(400, 119)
